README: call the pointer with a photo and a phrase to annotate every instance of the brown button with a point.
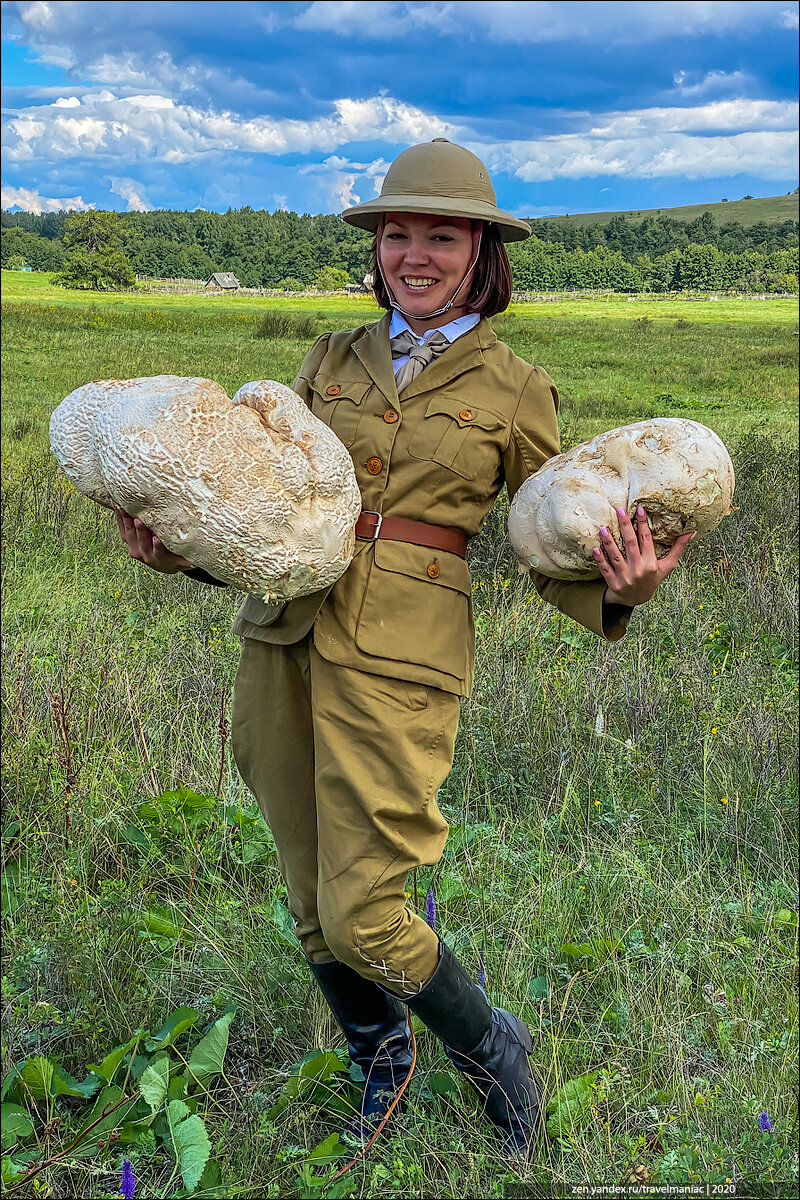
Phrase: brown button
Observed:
(433, 569)
(465, 414)
(374, 466)
(333, 390)
(390, 416)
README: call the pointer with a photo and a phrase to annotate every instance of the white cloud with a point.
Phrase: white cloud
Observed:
(342, 183)
(30, 201)
(732, 82)
(765, 155)
(542, 20)
(67, 102)
(131, 191)
(790, 18)
(737, 115)
(146, 126)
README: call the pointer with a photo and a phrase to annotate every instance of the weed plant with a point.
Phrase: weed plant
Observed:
(622, 855)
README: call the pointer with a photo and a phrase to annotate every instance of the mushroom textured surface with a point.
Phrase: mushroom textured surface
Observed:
(255, 489)
(678, 470)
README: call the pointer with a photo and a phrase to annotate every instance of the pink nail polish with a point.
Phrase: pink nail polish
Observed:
(621, 512)
(604, 531)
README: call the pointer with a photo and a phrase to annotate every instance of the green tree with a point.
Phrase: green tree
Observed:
(330, 279)
(95, 255)
(15, 263)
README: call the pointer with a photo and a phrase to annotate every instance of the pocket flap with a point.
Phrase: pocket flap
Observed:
(414, 561)
(352, 390)
(462, 412)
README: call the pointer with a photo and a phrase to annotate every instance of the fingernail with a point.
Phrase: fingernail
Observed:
(640, 511)
(621, 512)
(604, 531)
(596, 552)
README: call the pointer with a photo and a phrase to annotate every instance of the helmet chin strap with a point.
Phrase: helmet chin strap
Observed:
(438, 312)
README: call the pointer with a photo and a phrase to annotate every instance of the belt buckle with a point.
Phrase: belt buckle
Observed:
(374, 533)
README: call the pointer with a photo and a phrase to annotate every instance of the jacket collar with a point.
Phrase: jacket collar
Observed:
(372, 349)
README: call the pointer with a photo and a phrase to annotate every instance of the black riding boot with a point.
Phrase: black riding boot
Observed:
(378, 1036)
(488, 1045)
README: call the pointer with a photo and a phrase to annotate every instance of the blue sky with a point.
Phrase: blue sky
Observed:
(574, 106)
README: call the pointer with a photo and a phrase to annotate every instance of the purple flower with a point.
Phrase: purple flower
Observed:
(127, 1184)
(430, 909)
(764, 1123)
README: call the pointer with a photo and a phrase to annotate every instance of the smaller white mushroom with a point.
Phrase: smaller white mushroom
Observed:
(256, 490)
(678, 470)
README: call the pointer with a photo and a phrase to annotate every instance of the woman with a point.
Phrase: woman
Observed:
(347, 701)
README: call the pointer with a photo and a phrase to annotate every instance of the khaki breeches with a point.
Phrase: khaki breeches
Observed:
(346, 767)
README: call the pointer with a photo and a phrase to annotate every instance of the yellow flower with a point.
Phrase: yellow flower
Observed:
(597, 803)
(714, 729)
(723, 799)
(699, 606)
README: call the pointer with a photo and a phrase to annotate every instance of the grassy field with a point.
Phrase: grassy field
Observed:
(623, 818)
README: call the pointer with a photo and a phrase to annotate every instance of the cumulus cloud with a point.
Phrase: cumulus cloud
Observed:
(341, 182)
(130, 191)
(30, 201)
(616, 21)
(766, 155)
(145, 126)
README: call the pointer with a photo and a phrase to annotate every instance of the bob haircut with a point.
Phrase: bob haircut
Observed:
(490, 290)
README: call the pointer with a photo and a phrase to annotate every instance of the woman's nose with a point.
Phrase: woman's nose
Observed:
(416, 253)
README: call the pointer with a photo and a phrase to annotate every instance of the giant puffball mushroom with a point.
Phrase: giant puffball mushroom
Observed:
(256, 490)
(678, 470)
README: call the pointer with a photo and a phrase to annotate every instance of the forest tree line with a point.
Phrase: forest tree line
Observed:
(285, 250)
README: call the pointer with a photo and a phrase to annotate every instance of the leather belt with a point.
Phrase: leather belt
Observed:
(372, 525)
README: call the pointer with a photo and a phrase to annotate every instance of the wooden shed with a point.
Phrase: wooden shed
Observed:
(223, 280)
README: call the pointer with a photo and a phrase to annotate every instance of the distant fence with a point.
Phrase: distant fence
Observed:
(193, 286)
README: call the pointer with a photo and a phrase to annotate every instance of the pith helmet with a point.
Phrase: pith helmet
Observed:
(441, 178)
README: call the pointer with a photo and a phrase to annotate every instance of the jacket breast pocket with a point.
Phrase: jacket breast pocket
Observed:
(455, 435)
(339, 403)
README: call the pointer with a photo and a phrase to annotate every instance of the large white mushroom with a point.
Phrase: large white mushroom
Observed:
(678, 470)
(256, 490)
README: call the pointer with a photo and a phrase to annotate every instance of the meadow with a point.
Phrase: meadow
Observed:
(623, 845)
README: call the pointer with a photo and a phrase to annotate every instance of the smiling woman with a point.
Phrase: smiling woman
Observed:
(346, 704)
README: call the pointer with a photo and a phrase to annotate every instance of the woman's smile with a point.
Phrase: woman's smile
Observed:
(424, 259)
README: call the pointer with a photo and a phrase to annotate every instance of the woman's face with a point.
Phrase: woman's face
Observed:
(424, 258)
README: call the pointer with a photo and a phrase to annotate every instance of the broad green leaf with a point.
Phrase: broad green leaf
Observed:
(177, 1087)
(328, 1151)
(134, 836)
(107, 1069)
(785, 918)
(209, 1053)
(212, 1176)
(570, 1108)
(283, 923)
(16, 1124)
(11, 1170)
(439, 1083)
(571, 950)
(106, 1100)
(450, 888)
(36, 1077)
(192, 1149)
(316, 1068)
(64, 1085)
(176, 1111)
(176, 1025)
(155, 1081)
(10, 1084)
(537, 988)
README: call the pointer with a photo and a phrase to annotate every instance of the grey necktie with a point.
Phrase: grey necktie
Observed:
(406, 343)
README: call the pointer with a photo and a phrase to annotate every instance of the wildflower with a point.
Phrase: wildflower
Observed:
(127, 1184)
(764, 1123)
(714, 729)
(723, 799)
(430, 909)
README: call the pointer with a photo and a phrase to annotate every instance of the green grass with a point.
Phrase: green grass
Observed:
(623, 818)
(743, 212)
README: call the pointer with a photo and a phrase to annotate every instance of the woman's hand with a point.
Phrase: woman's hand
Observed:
(633, 576)
(145, 547)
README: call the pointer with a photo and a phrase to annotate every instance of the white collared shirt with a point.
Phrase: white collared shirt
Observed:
(451, 330)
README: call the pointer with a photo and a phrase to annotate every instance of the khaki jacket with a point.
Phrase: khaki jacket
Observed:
(476, 418)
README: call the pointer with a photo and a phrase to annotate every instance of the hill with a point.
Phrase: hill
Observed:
(753, 211)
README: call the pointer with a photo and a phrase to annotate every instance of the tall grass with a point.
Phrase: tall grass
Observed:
(623, 845)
